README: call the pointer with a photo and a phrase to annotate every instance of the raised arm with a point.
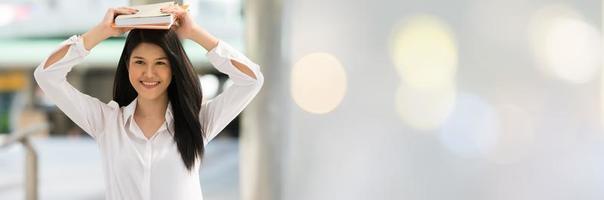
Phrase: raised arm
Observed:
(217, 113)
(97, 34)
(247, 79)
(85, 111)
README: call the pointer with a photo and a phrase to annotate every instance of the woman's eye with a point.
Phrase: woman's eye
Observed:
(139, 62)
(161, 63)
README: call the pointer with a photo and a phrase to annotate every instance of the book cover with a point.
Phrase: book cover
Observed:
(148, 17)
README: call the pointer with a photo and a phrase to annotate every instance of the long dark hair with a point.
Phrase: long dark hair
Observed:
(184, 91)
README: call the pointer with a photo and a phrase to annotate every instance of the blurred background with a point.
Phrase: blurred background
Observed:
(384, 99)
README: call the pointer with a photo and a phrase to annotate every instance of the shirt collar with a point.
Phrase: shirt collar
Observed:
(130, 108)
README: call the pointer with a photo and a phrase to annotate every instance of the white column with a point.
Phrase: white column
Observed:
(265, 122)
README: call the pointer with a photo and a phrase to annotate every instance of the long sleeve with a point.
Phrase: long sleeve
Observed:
(87, 112)
(217, 113)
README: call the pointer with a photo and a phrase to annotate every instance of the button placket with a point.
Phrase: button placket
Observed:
(147, 171)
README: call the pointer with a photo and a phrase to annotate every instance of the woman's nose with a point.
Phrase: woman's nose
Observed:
(149, 73)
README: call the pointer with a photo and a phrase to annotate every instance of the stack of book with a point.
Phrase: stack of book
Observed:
(148, 17)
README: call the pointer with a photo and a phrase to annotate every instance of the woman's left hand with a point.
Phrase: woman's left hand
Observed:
(186, 26)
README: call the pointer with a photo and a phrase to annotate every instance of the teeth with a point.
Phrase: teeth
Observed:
(150, 83)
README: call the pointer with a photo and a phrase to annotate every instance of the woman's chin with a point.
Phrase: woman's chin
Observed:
(152, 96)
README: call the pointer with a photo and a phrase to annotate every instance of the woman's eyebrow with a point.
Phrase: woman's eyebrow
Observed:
(162, 58)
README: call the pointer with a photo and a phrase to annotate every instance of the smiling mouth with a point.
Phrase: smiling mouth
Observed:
(149, 84)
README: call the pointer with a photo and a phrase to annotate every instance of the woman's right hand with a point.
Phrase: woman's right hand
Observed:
(105, 28)
(107, 24)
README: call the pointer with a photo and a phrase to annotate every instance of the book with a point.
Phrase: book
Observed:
(148, 16)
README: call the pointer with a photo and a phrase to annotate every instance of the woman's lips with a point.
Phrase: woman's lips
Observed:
(149, 84)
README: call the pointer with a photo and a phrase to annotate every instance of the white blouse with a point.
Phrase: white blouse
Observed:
(136, 167)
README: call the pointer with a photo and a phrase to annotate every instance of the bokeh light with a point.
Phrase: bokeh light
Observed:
(516, 138)
(318, 83)
(472, 128)
(425, 55)
(424, 52)
(209, 85)
(566, 46)
(424, 109)
(7, 14)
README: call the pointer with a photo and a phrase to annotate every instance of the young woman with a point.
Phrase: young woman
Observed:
(152, 135)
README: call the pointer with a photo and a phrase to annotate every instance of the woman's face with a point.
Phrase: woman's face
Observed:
(149, 71)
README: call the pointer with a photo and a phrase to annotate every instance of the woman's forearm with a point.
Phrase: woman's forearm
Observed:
(91, 38)
(94, 36)
(204, 38)
(55, 57)
(209, 42)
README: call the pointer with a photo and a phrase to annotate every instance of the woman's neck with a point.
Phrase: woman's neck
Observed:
(152, 108)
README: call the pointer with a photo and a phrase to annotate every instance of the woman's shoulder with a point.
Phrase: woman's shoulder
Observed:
(114, 110)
